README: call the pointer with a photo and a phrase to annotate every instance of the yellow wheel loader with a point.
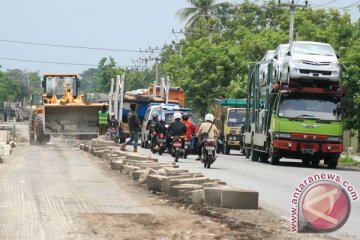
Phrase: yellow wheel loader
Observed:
(62, 111)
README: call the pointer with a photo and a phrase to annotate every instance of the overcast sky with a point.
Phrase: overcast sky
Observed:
(116, 24)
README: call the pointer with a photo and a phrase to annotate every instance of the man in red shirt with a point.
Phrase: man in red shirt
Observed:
(190, 126)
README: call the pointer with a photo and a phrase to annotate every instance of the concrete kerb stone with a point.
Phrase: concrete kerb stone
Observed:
(117, 165)
(179, 181)
(128, 169)
(138, 174)
(228, 197)
(161, 183)
(133, 156)
(184, 189)
(147, 173)
(170, 171)
(197, 196)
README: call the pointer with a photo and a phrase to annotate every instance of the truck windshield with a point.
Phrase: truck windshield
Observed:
(310, 107)
(235, 117)
(56, 84)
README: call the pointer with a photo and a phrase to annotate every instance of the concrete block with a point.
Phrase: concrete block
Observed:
(191, 180)
(117, 165)
(183, 188)
(136, 175)
(228, 197)
(239, 199)
(197, 196)
(147, 173)
(128, 169)
(81, 146)
(171, 171)
(212, 196)
(135, 156)
(160, 183)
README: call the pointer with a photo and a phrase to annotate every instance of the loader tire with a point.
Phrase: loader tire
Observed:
(40, 137)
(31, 132)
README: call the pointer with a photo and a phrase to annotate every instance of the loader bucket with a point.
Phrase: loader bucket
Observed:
(76, 119)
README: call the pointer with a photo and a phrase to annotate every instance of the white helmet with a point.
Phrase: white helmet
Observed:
(161, 118)
(112, 114)
(177, 115)
(209, 117)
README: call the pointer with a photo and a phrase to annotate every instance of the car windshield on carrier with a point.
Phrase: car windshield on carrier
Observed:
(313, 49)
(310, 108)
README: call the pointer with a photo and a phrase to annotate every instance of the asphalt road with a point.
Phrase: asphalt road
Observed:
(275, 183)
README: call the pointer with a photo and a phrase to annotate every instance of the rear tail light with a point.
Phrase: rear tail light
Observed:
(210, 142)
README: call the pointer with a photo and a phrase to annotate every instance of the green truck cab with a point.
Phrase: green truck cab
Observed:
(299, 120)
(229, 114)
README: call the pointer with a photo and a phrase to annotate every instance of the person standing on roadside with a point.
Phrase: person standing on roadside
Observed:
(134, 127)
(103, 120)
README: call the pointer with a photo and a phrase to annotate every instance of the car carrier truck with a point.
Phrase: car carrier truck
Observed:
(294, 119)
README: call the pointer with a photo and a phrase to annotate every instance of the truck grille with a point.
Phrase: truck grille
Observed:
(316, 63)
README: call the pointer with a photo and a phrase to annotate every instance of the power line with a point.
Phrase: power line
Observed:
(324, 4)
(52, 62)
(351, 5)
(71, 46)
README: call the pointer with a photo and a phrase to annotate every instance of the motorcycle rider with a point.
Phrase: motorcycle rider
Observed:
(113, 123)
(176, 128)
(160, 125)
(190, 126)
(207, 127)
(151, 124)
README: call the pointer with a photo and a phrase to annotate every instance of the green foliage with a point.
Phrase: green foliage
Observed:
(106, 71)
(90, 81)
(138, 79)
(15, 85)
(211, 61)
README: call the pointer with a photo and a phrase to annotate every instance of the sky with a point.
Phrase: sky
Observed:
(112, 24)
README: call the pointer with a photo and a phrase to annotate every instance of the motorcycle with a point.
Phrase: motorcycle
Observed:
(113, 133)
(187, 147)
(161, 143)
(153, 140)
(177, 148)
(208, 153)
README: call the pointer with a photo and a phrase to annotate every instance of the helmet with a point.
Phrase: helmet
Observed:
(112, 114)
(185, 116)
(161, 118)
(154, 116)
(177, 115)
(243, 121)
(209, 117)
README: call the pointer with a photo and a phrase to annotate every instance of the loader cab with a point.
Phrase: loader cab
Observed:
(56, 84)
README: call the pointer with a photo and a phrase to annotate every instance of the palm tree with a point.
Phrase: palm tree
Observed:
(200, 8)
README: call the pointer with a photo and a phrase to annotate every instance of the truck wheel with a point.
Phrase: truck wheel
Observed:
(315, 162)
(254, 155)
(274, 160)
(226, 149)
(247, 153)
(264, 157)
(332, 162)
(306, 161)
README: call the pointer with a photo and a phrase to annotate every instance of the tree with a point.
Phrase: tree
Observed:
(200, 9)
(106, 71)
(90, 81)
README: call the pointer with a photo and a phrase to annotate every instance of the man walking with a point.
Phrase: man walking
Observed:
(134, 127)
(103, 120)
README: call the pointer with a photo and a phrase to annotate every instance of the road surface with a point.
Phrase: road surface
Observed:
(275, 183)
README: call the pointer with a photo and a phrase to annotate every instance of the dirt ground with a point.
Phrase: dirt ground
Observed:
(173, 219)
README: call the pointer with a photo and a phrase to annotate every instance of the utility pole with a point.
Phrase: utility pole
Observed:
(292, 7)
(157, 59)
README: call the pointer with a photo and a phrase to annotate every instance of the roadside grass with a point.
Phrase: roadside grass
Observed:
(348, 161)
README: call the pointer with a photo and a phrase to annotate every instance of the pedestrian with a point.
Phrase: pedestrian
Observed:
(134, 127)
(103, 120)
